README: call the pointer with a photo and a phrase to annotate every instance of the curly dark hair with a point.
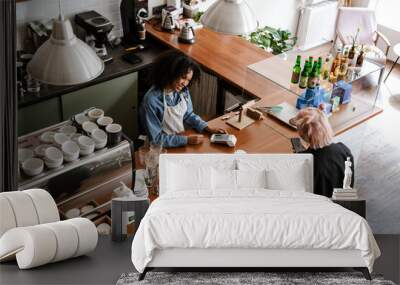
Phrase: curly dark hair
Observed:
(172, 65)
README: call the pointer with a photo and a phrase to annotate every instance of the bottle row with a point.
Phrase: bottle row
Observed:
(330, 70)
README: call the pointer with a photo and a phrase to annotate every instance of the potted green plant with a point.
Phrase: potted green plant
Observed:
(273, 40)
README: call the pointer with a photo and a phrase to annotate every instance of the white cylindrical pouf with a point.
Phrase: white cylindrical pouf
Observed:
(67, 240)
(23, 207)
(45, 206)
(38, 244)
(87, 235)
(7, 218)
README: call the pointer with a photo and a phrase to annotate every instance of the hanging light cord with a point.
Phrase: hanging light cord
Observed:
(61, 15)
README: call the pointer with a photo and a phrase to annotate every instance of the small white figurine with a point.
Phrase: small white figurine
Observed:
(347, 174)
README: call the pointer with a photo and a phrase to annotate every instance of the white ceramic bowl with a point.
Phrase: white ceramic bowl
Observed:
(53, 164)
(99, 136)
(86, 208)
(104, 121)
(68, 130)
(85, 143)
(94, 114)
(71, 151)
(100, 145)
(53, 155)
(89, 127)
(70, 148)
(24, 154)
(32, 166)
(86, 151)
(70, 158)
(60, 138)
(40, 149)
(81, 118)
(47, 137)
(73, 213)
(75, 137)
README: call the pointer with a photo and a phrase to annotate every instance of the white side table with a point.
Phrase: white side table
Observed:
(396, 50)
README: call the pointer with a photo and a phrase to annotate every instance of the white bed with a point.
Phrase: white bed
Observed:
(198, 223)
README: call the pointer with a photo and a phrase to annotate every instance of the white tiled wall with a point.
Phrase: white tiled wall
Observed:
(48, 9)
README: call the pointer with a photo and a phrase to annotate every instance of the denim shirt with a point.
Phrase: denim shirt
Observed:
(152, 113)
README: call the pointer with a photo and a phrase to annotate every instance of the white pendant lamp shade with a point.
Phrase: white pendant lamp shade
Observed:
(64, 59)
(233, 17)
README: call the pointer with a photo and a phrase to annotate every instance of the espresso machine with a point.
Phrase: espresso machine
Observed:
(97, 28)
(133, 14)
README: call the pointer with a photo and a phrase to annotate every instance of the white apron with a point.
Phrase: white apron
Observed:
(172, 122)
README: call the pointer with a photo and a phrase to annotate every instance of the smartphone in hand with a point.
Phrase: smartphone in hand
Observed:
(297, 145)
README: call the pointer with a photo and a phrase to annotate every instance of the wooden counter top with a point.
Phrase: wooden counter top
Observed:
(228, 58)
(224, 55)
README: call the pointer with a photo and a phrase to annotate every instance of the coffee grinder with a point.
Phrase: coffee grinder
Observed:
(97, 28)
(133, 14)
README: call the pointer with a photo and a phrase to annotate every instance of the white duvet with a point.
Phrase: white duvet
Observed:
(251, 218)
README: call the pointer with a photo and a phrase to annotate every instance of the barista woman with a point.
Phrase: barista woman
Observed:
(167, 107)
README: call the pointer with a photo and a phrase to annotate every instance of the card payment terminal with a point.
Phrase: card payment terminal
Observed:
(229, 140)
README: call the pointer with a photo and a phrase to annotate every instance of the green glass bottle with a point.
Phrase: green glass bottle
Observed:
(313, 77)
(320, 62)
(304, 76)
(325, 70)
(296, 71)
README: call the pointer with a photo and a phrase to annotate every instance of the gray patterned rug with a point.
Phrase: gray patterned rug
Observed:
(243, 278)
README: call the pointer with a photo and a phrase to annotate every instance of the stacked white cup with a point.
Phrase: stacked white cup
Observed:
(70, 150)
(100, 138)
(53, 157)
(86, 145)
(32, 166)
(60, 138)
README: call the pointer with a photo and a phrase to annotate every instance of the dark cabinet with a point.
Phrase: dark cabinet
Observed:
(38, 116)
(117, 97)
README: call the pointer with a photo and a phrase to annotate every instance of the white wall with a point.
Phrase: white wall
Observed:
(47, 9)
(278, 14)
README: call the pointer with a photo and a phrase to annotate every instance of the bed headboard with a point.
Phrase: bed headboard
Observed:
(302, 164)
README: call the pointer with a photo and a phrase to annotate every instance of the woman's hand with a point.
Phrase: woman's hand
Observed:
(195, 139)
(215, 130)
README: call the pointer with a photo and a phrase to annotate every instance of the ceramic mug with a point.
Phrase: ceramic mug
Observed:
(79, 119)
(114, 132)
(89, 127)
(95, 114)
(104, 121)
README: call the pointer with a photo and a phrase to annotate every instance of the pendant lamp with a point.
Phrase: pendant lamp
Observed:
(64, 59)
(232, 17)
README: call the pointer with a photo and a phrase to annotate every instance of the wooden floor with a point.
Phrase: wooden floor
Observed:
(376, 147)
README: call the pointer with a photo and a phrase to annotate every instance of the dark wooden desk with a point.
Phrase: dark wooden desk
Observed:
(228, 58)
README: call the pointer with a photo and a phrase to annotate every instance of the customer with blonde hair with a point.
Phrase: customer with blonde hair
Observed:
(314, 128)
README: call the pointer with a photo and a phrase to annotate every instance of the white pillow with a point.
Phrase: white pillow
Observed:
(251, 178)
(227, 179)
(281, 174)
(282, 180)
(224, 179)
(182, 177)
